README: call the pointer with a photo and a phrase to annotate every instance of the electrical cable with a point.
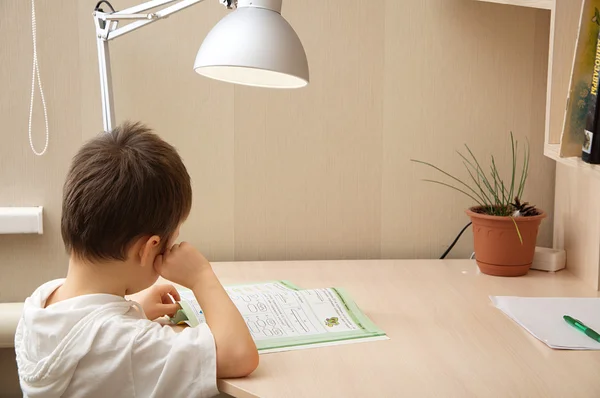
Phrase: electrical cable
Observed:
(97, 8)
(454, 243)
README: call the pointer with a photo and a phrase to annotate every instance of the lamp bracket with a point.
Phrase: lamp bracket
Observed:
(107, 28)
(107, 23)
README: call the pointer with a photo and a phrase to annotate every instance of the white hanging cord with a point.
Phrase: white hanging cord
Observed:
(34, 73)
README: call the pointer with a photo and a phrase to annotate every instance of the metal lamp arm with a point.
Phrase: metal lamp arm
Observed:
(107, 29)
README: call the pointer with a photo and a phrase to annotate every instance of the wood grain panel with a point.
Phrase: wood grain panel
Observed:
(25, 179)
(154, 82)
(542, 169)
(321, 172)
(577, 222)
(308, 162)
(453, 78)
(542, 4)
(316, 173)
(577, 216)
(446, 338)
(566, 22)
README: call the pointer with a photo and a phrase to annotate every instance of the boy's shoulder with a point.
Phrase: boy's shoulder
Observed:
(104, 336)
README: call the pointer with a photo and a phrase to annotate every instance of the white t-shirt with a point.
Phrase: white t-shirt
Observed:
(100, 345)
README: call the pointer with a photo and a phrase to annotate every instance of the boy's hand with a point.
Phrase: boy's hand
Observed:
(182, 264)
(156, 301)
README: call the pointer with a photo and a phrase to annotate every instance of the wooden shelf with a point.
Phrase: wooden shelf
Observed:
(552, 151)
(574, 207)
(541, 4)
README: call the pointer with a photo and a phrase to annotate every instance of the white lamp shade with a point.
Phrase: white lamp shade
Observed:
(256, 47)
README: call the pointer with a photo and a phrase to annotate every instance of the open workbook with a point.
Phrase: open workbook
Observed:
(281, 316)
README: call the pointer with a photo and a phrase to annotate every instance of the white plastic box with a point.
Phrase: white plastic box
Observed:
(547, 259)
(21, 220)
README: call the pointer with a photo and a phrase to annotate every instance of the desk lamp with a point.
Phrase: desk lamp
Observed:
(253, 45)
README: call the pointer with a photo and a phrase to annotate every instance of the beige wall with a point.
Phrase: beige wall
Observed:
(578, 221)
(322, 172)
(27, 180)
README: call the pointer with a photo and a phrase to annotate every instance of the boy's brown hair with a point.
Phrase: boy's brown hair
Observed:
(123, 185)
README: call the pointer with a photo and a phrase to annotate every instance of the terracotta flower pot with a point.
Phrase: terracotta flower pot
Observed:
(498, 250)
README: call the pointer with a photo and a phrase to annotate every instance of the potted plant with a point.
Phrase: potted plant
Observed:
(505, 227)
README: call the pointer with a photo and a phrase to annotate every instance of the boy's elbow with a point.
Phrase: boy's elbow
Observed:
(237, 362)
(248, 362)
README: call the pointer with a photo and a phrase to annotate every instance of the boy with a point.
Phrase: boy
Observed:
(126, 194)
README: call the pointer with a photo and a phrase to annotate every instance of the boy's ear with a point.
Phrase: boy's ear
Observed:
(149, 249)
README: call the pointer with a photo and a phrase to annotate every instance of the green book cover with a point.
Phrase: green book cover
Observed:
(582, 74)
(281, 316)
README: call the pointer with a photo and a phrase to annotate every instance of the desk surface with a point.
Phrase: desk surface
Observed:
(446, 339)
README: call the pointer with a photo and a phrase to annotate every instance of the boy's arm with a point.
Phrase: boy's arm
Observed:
(236, 352)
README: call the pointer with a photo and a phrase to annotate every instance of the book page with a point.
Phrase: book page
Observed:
(273, 310)
(281, 316)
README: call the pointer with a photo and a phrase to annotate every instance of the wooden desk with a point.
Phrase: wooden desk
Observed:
(447, 340)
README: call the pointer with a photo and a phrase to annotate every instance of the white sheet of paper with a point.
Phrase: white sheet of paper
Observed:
(543, 318)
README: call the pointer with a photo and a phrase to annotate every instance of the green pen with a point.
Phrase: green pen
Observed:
(577, 324)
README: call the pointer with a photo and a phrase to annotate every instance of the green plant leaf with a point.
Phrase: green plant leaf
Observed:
(524, 171)
(491, 192)
(479, 171)
(514, 166)
(451, 176)
(518, 232)
(453, 187)
(499, 181)
(487, 200)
